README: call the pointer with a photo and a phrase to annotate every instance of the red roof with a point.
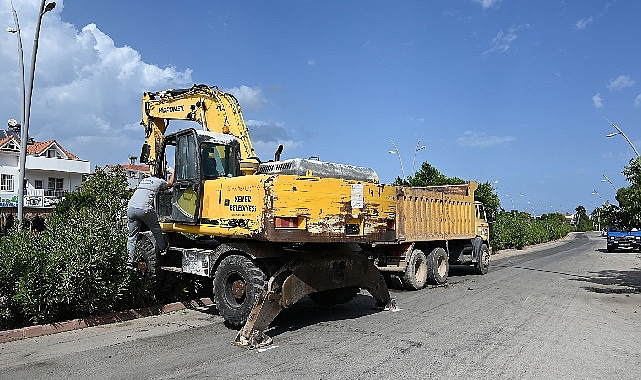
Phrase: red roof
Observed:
(6, 139)
(38, 147)
(139, 167)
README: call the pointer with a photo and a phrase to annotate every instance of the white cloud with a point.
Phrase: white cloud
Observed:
(502, 42)
(637, 101)
(597, 101)
(267, 135)
(487, 3)
(621, 82)
(481, 140)
(87, 90)
(267, 131)
(311, 62)
(584, 22)
(248, 97)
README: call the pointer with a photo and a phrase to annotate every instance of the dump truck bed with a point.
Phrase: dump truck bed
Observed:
(435, 213)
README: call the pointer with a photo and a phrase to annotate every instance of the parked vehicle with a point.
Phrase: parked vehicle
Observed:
(619, 238)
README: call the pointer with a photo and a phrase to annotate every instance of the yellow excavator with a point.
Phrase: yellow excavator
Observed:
(269, 233)
(266, 233)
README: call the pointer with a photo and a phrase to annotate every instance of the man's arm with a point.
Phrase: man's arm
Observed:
(171, 180)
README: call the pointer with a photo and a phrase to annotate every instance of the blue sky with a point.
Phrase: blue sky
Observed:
(505, 90)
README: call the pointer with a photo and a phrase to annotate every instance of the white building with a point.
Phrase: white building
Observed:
(50, 172)
(134, 172)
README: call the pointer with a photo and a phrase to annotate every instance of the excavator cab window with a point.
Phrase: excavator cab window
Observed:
(218, 160)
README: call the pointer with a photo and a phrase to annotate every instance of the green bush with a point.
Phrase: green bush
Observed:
(517, 230)
(76, 266)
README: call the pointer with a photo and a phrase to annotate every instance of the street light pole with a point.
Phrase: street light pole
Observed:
(21, 63)
(620, 132)
(26, 101)
(608, 179)
(416, 151)
(399, 157)
(599, 214)
(511, 200)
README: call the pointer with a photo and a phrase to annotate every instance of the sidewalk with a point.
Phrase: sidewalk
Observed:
(202, 304)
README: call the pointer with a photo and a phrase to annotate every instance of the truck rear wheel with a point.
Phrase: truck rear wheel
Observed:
(480, 267)
(437, 267)
(415, 274)
(237, 284)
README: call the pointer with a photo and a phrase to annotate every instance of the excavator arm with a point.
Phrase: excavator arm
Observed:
(210, 107)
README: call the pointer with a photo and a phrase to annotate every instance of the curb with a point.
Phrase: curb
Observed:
(81, 323)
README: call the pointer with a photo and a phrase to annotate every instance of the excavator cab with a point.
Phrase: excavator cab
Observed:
(198, 156)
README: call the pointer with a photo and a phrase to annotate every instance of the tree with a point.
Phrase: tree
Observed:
(486, 194)
(627, 214)
(428, 175)
(583, 223)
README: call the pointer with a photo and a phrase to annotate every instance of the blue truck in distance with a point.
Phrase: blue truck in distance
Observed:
(619, 238)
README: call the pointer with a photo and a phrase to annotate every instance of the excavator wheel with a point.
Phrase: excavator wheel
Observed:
(146, 252)
(238, 282)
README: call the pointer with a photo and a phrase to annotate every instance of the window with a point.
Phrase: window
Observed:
(55, 186)
(37, 184)
(6, 182)
(218, 160)
(53, 153)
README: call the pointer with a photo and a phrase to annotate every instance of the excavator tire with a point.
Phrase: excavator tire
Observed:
(238, 282)
(146, 252)
(332, 297)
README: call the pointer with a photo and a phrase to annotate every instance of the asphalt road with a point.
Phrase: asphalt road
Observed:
(568, 310)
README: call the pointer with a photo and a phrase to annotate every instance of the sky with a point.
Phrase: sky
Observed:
(515, 93)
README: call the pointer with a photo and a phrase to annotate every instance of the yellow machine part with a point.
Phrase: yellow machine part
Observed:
(295, 208)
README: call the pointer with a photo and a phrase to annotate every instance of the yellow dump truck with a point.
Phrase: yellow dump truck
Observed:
(435, 226)
(269, 233)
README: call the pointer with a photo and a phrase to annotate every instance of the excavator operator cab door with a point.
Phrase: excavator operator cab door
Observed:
(202, 162)
(186, 198)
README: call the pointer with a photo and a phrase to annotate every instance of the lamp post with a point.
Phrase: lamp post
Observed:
(399, 157)
(608, 180)
(620, 132)
(599, 214)
(418, 148)
(26, 98)
(511, 200)
(16, 30)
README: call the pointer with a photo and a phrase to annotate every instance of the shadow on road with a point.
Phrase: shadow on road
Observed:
(305, 313)
(613, 281)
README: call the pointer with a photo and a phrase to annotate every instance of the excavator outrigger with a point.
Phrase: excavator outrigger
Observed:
(268, 233)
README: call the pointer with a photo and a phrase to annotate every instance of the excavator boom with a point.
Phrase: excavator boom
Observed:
(215, 110)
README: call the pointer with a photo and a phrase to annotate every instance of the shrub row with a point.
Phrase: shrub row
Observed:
(517, 230)
(76, 266)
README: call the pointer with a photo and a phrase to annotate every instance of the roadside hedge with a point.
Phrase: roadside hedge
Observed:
(513, 229)
(76, 266)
